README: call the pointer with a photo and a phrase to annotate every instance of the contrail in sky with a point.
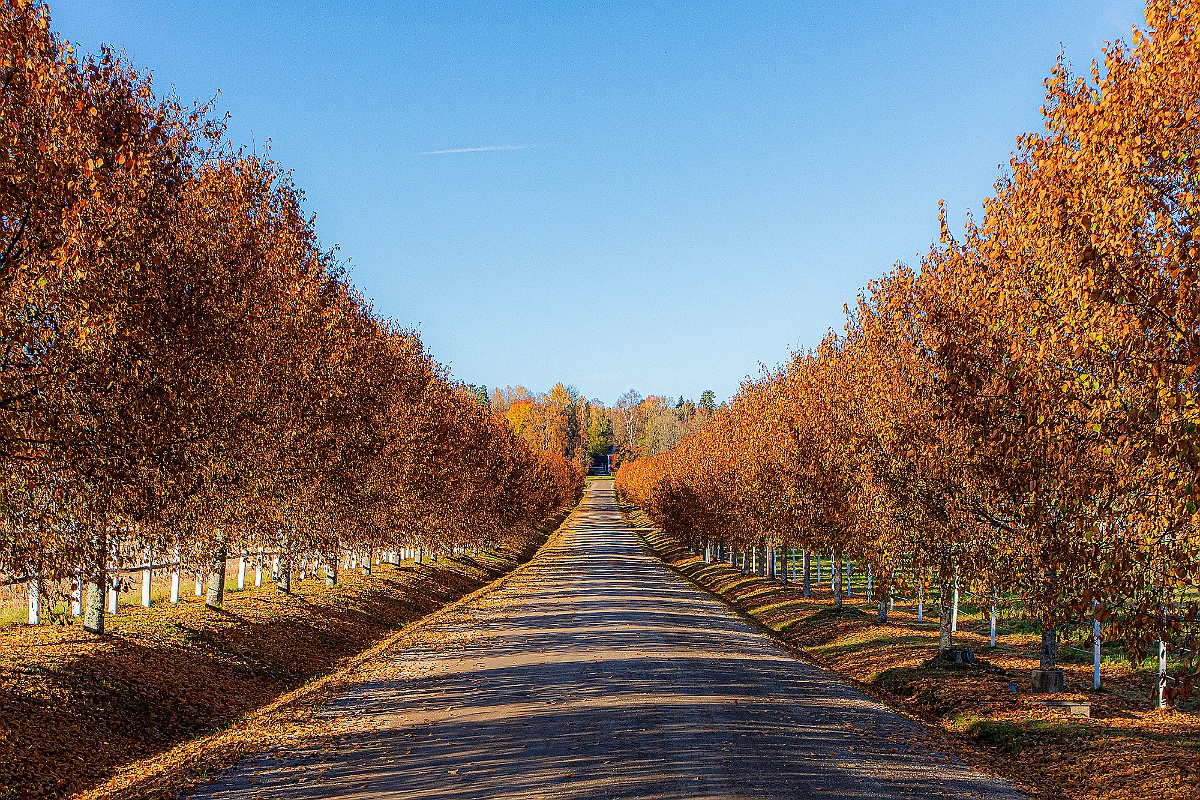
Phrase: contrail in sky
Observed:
(488, 148)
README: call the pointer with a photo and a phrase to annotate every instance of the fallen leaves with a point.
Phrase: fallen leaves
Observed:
(76, 710)
(1124, 753)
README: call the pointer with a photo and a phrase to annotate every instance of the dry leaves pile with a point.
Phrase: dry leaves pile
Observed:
(1123, 752)
(74, 708)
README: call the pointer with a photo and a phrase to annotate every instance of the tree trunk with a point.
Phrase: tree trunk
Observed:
(807, 576)
(93, 604)
(97, 585)
(283, 579)
(883, 610)
(945, 602)
(331, 573)
(366, 562)
(769, 557)
(835, 580)
(216, 578)
(1048, 652)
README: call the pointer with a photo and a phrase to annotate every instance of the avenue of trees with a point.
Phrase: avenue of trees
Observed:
(186, 374)
(1022, 411)
(562, 422)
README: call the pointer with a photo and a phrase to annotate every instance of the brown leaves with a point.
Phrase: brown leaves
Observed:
(1022, 406)
(75, 708)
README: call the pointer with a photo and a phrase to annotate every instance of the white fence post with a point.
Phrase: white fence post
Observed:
(1160, 700)
(77, 593)
(954, 611)
(175, 578)
(146, 575)
(995, 597)
(35, 602)
(114, 591)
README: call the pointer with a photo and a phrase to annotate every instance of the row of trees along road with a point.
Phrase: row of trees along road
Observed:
(186, 373)
(561, 421)
(1024, 410)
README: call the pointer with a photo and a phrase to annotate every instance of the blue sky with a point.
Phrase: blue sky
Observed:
(675, 192)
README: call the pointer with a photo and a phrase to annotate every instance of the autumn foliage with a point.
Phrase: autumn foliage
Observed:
(187, 375)
(1023, 411)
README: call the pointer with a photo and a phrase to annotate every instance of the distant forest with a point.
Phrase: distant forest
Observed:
(563, 422)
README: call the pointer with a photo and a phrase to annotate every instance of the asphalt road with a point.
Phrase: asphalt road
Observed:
(598, 672)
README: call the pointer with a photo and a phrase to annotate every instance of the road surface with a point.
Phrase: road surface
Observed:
(597, 672)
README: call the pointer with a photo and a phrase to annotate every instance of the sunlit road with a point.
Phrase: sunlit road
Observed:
(600, 673)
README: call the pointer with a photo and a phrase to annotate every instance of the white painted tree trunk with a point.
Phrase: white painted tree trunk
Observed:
(818, 570)
(847, 576)
(258, 570)
(241, 583)
(35, 602)
(868, 584)
(199, 584)
(175, 580)
(921, 601)
(275, 567)
(1095, 646)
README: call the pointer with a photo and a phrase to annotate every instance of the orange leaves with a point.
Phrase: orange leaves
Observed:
(190, 359)
(1032, 381)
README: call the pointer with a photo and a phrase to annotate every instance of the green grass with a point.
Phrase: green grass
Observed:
(1015, 737)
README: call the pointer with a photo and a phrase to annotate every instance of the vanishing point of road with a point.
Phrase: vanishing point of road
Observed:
(597, 672)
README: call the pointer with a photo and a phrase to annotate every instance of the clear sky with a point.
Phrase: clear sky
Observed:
(650, 195)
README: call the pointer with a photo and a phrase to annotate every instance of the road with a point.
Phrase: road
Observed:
(597, 672)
